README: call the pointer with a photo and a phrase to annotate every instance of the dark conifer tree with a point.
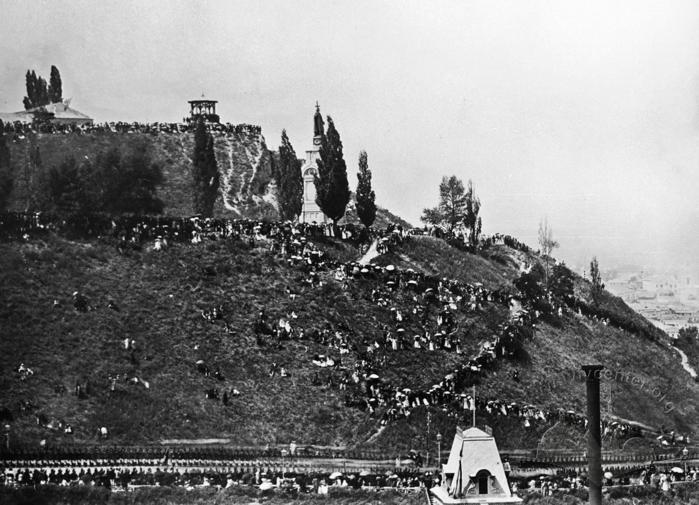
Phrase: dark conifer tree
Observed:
(597, 288)
(30, 79)
(289, 181)
(6, 179)
(42, 93)
(471, 220)
(39, 92)
(332, 188)
(55, 86)
(366, 198)
(205, 177)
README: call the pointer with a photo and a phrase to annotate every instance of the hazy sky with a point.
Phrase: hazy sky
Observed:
(586, 113)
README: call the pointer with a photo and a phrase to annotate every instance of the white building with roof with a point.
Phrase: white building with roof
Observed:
(58, 113)
(474, 472)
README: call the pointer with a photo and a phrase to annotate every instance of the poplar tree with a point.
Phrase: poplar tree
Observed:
(289, 181)
(332, 188)
(55, 86)
(42, 93)
(6, 180)
(366, 198)
(596, 280)
(205, 176)
(471, 220)
(30, 83)
(547, 244)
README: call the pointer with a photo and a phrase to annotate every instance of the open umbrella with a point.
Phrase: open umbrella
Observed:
(266, 485)
(364, 473)
(608, 475)
(335, 475)
(676, 469)
(390, 268)
(373, 377)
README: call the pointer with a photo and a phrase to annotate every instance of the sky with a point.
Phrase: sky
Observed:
(585, 113)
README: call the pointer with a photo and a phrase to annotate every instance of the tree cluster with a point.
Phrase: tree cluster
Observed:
(332, 188)
(114, 183)
(458, 207)
(562, 282)
(39, 92)
(205, 176)
(688, 335)
(289, 181)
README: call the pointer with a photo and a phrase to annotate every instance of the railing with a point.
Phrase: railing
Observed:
(279, 454)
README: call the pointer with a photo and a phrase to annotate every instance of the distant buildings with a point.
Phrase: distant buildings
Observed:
(670, 299)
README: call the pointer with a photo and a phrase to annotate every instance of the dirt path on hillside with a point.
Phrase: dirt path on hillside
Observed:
(371, 253)
(375, 435)
(685, 363)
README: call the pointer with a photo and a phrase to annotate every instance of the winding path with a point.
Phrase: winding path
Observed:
(371, 253)
(685, 363)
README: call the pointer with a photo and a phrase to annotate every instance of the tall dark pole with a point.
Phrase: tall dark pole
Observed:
(594, 441)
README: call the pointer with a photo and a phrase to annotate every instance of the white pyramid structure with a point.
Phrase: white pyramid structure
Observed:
(474, 472)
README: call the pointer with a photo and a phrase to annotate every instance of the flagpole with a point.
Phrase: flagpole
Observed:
(474, 405)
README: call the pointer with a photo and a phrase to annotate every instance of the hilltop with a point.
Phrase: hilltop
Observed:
(162, 296)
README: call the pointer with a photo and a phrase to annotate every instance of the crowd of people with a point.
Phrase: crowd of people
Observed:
(568, 479)
(137, 230)
(423, 313)
(216, 474)
(433, 308)
(18, 131)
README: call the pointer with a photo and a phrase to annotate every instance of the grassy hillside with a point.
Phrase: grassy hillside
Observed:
(245, 163)
(243, 159)
(160, 296)
(647, 382)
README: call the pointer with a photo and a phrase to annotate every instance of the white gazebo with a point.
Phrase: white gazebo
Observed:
(474, 472)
